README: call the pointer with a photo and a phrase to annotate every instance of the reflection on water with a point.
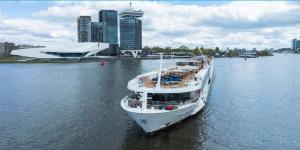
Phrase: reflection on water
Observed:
(252, 104)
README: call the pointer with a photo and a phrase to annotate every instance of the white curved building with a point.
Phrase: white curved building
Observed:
(71, 50)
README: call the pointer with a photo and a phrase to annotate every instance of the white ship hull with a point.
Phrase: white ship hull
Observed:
(153, 121)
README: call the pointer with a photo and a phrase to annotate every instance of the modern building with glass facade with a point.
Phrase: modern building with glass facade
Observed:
(95, 32)
(6, 48)
(130, 30)
(130, 34)
(295, 44)
(110, 20)
(104, 31)
(83, 28)
(2, 49)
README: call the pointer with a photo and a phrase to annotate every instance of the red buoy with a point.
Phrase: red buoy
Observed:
(102, 62)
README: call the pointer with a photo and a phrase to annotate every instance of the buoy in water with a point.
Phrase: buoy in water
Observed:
(102, 62)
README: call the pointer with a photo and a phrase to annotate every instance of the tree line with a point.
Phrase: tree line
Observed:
(181, 50)
(184, 50)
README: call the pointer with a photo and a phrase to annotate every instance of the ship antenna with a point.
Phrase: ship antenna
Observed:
(203, 56)
(159, 73)
(130, 5)
(172, 55)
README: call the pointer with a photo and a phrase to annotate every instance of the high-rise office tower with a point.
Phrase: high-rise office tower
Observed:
(130, 29)
(95, 31)
(82, 28)
(293, 44)
(110, 20)
(297, 45)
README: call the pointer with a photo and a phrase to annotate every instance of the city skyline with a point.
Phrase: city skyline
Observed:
(209, 24)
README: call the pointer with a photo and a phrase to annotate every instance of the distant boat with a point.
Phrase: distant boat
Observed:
(162, 98)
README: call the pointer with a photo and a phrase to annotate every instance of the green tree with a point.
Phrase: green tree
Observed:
(158, 49)
(202, 48)
(229, 53)
(197, 51)
(146, 48)
(217, 50)
(168, 50)
(183, 47)
(263, 53)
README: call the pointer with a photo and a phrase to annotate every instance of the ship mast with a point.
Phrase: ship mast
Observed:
(203, 56)
(159, 73)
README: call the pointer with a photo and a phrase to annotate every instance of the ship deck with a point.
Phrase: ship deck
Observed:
(177, 77)
(147, 82)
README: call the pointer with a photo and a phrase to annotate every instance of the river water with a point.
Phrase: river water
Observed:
(252, 104)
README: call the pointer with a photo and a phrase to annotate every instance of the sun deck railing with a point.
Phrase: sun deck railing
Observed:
(169, 105)
(149, 83)
(158, 105)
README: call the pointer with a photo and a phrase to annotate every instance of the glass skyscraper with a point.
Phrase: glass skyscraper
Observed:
(110, 20)
(130, 30)
(95, 32)
(130, 34)
(295, 44)
(82, 27)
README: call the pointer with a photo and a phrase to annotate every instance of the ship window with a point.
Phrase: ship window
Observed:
(170, 97)
(186, 63)
(182, 63)
(136, 95)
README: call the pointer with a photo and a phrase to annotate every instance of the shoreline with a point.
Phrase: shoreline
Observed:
(20, 60)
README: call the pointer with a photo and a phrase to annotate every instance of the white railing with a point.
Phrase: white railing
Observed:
(161, 105)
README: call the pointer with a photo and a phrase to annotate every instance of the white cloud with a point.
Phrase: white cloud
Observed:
(235, 24)
(33, 31)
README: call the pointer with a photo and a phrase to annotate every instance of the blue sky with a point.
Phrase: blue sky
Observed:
(241, 24)
(26, 8)
(22, 9)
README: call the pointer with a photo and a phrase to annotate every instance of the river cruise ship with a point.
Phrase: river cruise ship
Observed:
(163, 97)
